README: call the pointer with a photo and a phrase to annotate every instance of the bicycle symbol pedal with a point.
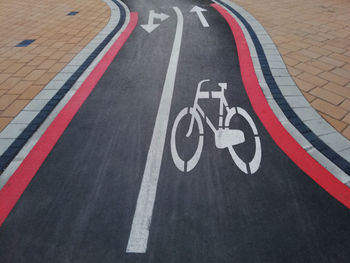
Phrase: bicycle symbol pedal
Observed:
(224, 136)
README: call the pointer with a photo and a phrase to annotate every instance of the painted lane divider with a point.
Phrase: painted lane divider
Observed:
(145, 202)
(19, 181)
(199, 11)
(150, 26)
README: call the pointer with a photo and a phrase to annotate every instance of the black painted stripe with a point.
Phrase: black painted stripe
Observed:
(309, 135)
(21, 140)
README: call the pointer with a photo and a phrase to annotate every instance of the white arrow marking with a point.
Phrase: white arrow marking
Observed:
(151, 25)
(199, 10)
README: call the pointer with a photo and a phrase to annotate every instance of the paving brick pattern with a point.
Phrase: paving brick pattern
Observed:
(25, 71)
(313, 38)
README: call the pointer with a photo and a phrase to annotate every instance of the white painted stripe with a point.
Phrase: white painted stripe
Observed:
(144, 208)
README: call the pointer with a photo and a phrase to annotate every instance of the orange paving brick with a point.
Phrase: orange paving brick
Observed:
(31, 92)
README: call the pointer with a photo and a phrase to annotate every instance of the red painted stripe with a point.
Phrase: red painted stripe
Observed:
(279, 134)
(19, 181)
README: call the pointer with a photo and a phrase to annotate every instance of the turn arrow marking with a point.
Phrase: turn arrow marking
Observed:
(151, 25)
(199, 10)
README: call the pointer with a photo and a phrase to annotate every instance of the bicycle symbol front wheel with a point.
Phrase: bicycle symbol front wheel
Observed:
(253, 165)
(186, 165)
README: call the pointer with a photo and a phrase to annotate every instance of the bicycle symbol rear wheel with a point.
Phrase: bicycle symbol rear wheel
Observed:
(186, 165)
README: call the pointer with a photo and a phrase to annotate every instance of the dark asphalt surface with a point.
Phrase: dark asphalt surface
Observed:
(80, 205)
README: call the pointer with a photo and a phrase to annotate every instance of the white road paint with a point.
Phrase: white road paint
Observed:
(144, 208)
(224, 136)
(150, 26)
(199, 11)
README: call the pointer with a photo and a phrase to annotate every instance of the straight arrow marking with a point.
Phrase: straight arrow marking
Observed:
(199, 11)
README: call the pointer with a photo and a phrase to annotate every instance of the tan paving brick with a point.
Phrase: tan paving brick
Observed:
(340, 90)
(334, 78)
(345, 105)
(45, 78)
(338, 125)
(9, 83)
(20, 87)
(6, 100)
(304, 86)
(24, 71)
(321, 65)
(31, 92)
(4, 121)
(290, 61)
(317, 81)
(308, 96)
(347, 118)
(346, 132)
(15, 108)
(327, 96)
(332, 61)
(342, 72)
(308, 68)
(35, 74)
(13, 68)
(328, 109)
(4, 77)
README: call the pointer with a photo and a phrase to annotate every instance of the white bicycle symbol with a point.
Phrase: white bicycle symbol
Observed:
(224, 136)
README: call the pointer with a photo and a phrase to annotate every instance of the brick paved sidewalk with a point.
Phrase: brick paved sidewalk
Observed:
(313, 38)
(25, 71)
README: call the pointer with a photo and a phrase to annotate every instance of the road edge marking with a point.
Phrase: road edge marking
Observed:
(277, 131)
(15, 186)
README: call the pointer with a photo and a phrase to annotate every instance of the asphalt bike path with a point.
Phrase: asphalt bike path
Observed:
(99, 196)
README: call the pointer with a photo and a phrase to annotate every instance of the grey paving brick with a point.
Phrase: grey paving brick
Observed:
(46, 94)
(12, 131)
(36, 105)
(336, 141)
(297, 101)
(285, 81)
(280, 72)
(306, 114)
(25, 117)
(319, 127)
(4, 144)
(346, 154)
(290, 90)
(331, 167)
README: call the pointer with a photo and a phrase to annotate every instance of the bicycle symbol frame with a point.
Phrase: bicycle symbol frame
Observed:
(224, 136)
